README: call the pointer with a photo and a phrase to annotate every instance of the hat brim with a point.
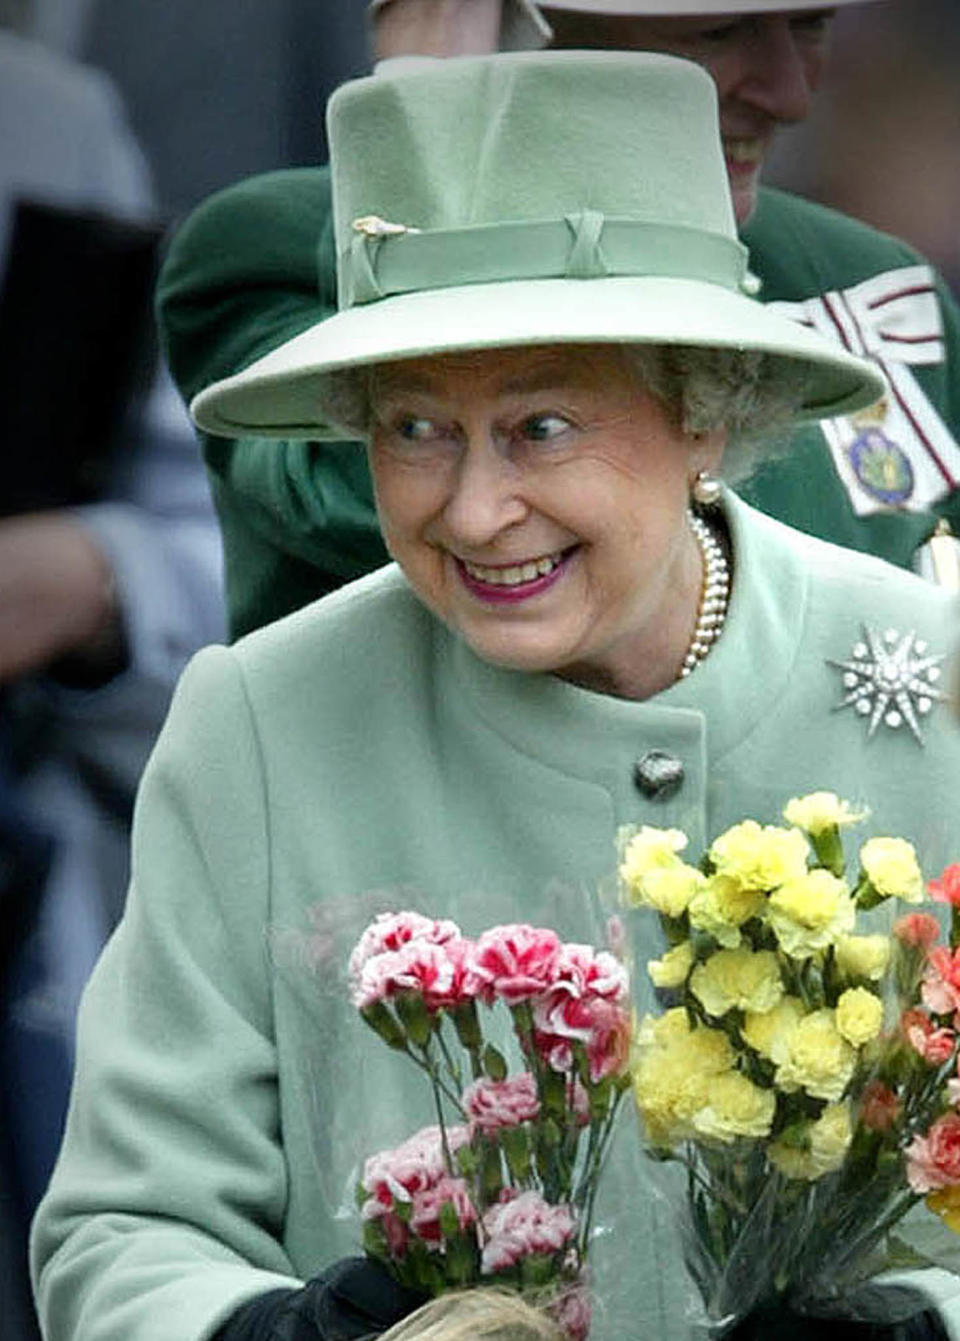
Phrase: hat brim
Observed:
(282, 394)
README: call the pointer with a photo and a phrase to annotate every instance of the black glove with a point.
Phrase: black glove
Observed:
(782, 1324)
(356, 1297)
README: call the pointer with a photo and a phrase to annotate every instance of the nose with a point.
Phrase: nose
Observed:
(485, 496)
(779, 72)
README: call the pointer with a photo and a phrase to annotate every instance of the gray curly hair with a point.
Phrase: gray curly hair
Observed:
(753, 395)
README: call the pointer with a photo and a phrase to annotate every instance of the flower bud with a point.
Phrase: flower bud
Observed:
(415, 1017)
(467, 1025)
(382, 1022)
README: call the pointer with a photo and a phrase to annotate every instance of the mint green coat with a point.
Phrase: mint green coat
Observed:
(357, 756)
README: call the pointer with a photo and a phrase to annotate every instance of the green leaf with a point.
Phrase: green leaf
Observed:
(375, 1241)
(537, 1269)
(467, 1160)
(516, 1147)
(599, 1099)
(491, 1179)
(675, 929)
(550, 1134)
(865, 895)
(449, 1220)
(422, 1270)
(461, 1260)
(812, 988)
(902, 1257)
(926, 1240)
(553, 1094)
(828, 847)
(494, 1063)
(703, 945)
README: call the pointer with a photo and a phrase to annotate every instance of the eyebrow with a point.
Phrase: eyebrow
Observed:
(551, 375)
(389, 383)
(546, 378)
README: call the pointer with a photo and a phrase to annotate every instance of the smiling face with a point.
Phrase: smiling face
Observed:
(536, 500)
(766, 68)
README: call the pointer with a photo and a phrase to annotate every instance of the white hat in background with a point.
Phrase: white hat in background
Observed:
(664, 8)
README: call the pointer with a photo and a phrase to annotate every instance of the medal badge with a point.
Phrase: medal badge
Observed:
(880, 465)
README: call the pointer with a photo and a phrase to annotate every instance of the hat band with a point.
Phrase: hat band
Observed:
(385, 259)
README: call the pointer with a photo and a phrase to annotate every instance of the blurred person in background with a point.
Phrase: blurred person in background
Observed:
(898, 91)
(100, 607)
(299, 521)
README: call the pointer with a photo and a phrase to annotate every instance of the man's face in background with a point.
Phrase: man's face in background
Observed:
(766, 68)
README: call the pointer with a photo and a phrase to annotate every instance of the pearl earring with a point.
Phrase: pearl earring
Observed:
(705, 490)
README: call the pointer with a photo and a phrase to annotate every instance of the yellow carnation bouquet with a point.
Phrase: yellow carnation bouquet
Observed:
(801, 1070)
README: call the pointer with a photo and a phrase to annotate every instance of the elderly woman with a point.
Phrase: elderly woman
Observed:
(550, 356)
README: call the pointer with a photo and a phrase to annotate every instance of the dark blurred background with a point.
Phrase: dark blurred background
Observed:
(215, 89)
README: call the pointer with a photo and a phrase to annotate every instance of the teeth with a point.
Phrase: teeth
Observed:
(513, 575)
(744, 151)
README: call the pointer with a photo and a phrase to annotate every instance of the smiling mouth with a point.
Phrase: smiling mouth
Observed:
(510, 583)
(516, 574)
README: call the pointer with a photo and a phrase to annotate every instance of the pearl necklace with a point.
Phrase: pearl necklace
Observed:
(713, 598)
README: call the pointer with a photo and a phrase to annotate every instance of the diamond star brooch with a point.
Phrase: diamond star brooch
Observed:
(891, 679)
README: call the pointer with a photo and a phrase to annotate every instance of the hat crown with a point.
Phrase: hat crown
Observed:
(525, 199)
(527, 137)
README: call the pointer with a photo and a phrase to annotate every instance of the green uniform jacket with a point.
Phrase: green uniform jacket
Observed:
(255, 265)
(225, 1089)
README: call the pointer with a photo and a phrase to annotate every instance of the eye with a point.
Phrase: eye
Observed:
(544, 427)
(813, 27)
(417, 436)
(415, 428)
(721, 32)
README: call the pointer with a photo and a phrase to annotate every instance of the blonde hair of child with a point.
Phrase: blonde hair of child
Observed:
(475, 1315)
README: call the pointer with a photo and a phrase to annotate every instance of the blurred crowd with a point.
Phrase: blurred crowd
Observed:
(110, 573)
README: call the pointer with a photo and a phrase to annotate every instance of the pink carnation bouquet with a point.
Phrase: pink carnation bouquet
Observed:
(500, 1190)
(797, 1086)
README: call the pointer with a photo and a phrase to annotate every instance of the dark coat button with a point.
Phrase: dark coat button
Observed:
(658, 774)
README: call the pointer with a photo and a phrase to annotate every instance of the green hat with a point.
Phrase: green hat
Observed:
(519, 199)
